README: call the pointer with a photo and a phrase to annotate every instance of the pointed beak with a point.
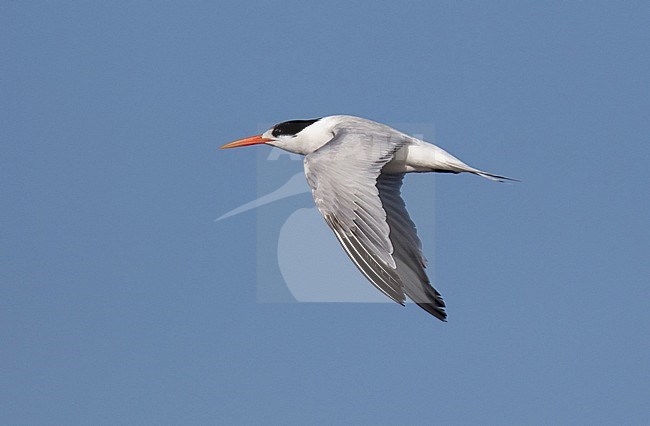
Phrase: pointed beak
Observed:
(253, 140)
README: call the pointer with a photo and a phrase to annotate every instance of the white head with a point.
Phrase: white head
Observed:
(296, 136)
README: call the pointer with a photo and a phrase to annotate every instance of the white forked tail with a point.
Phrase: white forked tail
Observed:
(445, 162)
(425, 157)
(490, 176)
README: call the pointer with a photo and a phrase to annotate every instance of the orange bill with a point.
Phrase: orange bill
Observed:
(253, 140)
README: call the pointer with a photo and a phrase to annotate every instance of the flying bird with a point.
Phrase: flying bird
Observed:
(355, 168)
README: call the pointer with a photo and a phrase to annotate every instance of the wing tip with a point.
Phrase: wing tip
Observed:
(435, 305)
(436, 311)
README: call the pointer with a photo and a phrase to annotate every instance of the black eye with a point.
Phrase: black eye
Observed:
(291, 127)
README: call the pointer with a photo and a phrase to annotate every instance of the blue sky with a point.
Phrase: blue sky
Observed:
(122, 301)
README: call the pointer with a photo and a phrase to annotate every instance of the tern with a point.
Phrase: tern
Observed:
(355, 168)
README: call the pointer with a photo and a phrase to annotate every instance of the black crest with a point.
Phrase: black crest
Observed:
(292, 127)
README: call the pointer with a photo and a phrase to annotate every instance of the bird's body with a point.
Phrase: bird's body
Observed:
(355, 169)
